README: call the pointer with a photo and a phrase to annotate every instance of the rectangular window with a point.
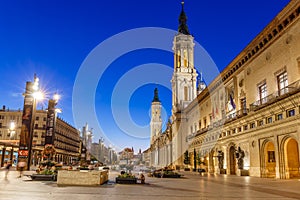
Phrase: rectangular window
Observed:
(185, 58)
(271, 156)
(245, 127)
(204, 120)
(239, 129)
(0, 125)
(200, 124)
(252, 125)
(260, 123)
(44, 119)
(186, 93)
(244, 105)
(290, 113)
(282, 83)
(279, 116)
(269, 120)
(262, 90)
(37, 118)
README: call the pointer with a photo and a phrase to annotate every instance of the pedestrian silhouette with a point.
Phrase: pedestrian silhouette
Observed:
(7, 168)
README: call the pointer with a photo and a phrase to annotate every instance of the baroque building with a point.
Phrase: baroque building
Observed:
(246, 121)
(66, 138)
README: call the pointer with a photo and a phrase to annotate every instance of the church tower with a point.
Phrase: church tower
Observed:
(184, 80)
(156, 123)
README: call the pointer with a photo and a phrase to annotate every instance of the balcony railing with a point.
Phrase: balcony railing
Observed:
(237, 114)
(280, 94)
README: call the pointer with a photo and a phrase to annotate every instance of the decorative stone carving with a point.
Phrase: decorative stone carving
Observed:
(268, 56)
(248, 71)
(240, 154)
(241, 83)
(289, 39)
(220, 159)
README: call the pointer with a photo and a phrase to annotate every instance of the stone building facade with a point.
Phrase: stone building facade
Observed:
(66, 140)
(246, 122)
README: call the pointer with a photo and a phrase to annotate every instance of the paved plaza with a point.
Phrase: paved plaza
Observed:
(191, 186)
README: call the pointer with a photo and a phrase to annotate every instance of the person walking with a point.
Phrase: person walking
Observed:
(7, 168)
(21, 167)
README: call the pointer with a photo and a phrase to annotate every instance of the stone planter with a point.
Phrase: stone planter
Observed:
(122, 180)
(171, 175)
(83, 177)
(43, 177)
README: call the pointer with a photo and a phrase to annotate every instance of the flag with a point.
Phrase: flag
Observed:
(231, 101)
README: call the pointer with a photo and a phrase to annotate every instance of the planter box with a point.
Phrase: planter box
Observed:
(126, 180)
(43, 177)
(84, 177)
(171, 175)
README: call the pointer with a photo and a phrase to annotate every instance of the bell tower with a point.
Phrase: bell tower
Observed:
(184, 80)
(156, 123)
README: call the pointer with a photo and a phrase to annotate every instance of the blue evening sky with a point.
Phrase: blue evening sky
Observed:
(52, 38)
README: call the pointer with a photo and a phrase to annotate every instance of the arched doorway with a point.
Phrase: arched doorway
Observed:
(269, 162)
(292, 158)
(232, 160)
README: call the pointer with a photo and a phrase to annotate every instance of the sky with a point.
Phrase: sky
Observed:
(106, 57)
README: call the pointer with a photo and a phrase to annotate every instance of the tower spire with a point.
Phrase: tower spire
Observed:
(182, 21)
(155, 98)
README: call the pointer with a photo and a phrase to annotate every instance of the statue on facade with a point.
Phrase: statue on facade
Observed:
(220, 159)
(240, 154)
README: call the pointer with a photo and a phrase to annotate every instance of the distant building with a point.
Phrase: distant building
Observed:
(146, 157)
(126, 155)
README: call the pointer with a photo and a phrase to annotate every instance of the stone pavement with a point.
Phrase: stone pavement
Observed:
(192, 186)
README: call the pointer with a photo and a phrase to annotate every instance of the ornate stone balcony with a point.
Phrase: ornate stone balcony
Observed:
(276, 96)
